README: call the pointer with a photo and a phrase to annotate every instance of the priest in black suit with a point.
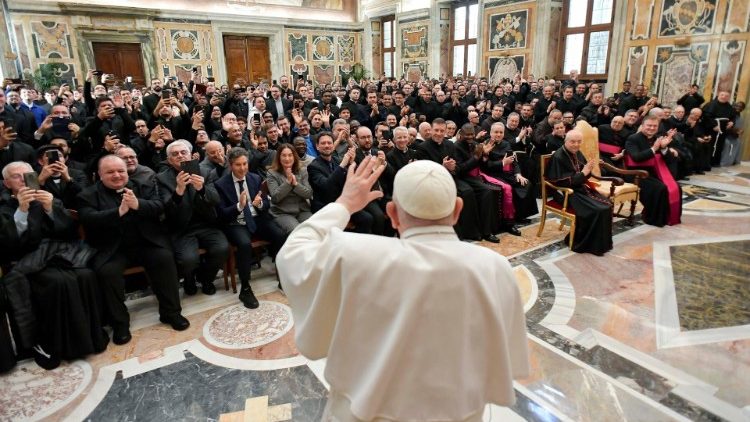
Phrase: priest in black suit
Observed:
(121, 220)
(10, 149)
(63, 182)
(190, 208)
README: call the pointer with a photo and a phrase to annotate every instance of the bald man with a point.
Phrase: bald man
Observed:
(121, 219)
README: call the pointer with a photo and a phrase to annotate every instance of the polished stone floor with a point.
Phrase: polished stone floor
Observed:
(658, 329)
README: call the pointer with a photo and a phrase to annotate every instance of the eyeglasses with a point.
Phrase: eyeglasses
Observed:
(129, 157)
(180, 152)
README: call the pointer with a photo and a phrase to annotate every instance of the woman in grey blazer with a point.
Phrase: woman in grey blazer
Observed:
(289, 189)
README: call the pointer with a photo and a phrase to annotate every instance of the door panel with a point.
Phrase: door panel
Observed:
(120, 60)
(247, 58)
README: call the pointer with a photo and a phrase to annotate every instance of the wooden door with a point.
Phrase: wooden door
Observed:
(121, 60)
(247, 58)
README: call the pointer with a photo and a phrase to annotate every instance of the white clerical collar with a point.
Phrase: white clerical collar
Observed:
(429, 230)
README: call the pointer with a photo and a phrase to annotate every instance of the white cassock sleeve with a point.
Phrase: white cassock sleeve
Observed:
(309, 270)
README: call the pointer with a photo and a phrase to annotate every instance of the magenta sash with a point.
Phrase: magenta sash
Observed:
(609, 149)
(663, 174)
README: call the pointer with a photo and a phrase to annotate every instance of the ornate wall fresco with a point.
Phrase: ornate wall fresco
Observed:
(47, 39)
(377, 41)
(414, 48)
(445, 41)
(674, 43)
(180, 47)
(321, 57)
(508, 39)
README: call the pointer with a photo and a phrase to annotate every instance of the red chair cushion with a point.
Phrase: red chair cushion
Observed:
(558, 206)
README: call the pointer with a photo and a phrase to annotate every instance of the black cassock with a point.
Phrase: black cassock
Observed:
(64, 293)
(593, 231)
(524, 198)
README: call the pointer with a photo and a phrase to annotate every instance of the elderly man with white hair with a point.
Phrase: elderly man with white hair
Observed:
(189, 206)
(399, 320)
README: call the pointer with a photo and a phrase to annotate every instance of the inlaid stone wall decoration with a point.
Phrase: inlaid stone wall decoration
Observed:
(738, 17)
(508, 30)
(323, 48)
(687, 17)
(300, 69)
(185, 45)
(298, 47)
(324, 74)
(161, 35)
(445, 48)
(505, 67)
(346, 48)
(344, 71)
(67, 73)
(415, 71)
(729, 67)
(414, 41)
(641, 24)
(23, 51)
(636, 64)
(676, 68)
(51, 40)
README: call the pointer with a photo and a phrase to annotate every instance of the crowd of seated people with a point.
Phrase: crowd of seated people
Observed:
(174, 177)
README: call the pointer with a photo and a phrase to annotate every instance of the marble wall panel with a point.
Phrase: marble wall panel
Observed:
(376, 41)
(318, 55)
(505, 67)
(687, 17)
(508, 30)
(445, 48)
(42, 39)
(641, 23)
(415, 71)
(23, 51)
(51, 40)
(182, 46)
(508, 33)
(636, 68)
(738, 16)
(414, 41)
(676, 68)
(729, 67)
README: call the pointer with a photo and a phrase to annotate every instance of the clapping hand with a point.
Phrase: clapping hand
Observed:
(258, 200)
(128, 197)
(587, 168)
(449, 164)
(359, 180)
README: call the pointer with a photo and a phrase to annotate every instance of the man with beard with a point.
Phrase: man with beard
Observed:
(692, 99)
(261, 156)
(151, 100)
(660, 195)
(633, 102)
(189, 207)
(569, 102)
(365, 148)
(718, 115)
(215, 161)
(277, 104)
(568, 168)
(426, 106)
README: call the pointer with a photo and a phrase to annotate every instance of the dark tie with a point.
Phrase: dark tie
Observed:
(241, 183)
(330, 165)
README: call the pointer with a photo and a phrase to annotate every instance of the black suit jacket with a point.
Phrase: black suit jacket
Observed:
(227, 207)
(192, 209)
(67, 192)
(271, 106)
(326, 184)
(105, 228)
(17, 151)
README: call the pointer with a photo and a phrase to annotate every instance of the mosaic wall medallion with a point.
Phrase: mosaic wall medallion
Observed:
(414, 41)
(185, 45)
(30, 392)
(676, 68)
(687, 17)
(238, 327)
(346, 48)
(323, 48)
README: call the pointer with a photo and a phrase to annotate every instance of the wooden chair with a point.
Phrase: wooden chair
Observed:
(619, 194)
(140, 269)
(550, 204)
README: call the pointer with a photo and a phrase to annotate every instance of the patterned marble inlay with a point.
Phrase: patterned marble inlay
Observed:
(711, 281)
(237, 327)
(30, 392)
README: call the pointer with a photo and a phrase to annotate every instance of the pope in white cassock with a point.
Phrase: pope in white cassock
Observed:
(418, 328)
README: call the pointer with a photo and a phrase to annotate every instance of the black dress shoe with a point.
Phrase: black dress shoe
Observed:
(512, 229)
(491, 238)
(208, 288)
(44, 359)
(178, 322)
(188, 285)
(248, 298)
(121, 334)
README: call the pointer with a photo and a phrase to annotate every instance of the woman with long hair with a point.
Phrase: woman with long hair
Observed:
(289, 189)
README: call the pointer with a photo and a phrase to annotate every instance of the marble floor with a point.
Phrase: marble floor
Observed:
(658, 329)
